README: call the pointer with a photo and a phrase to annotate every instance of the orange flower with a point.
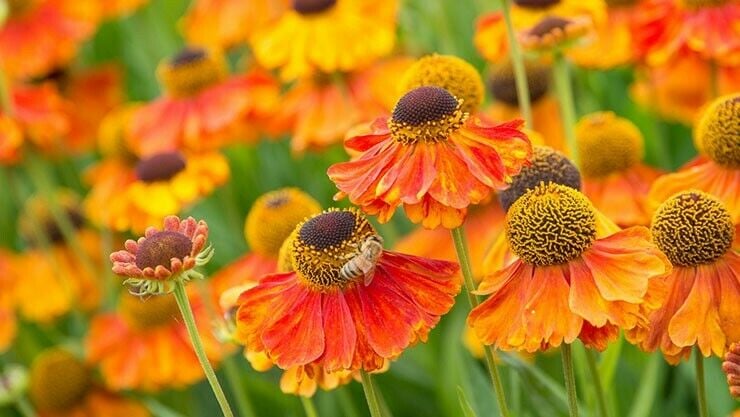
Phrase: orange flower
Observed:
(614, 177)
(706, 28)
(62, 386)
(349, 304)
(613, 45)
(719, 174)
(117, 8)
(8, 325)
(431, 157)
(202, 107)
(144, 345)
(42, 35)
(11, 140)
(223, 24)
(731, 367)
(695, 231)
(567, 282)
(40, 114)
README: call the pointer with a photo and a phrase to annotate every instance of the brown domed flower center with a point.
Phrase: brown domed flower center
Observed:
(190, 72)
(554, 31)
(547, 165)
(20, 7)
(610, 144)
(719, 132)
(693, 228)
(620, 3)
(149, 312)
(503, 82)
(550, 225)
(161, 247)
(307, 7)
(160, 167)
(536, 4)
(453, 74)
(699, 4)
(274, 216)
(426, 113)
(54, 232)
(325, 243)
(58, 381)
(548, 25)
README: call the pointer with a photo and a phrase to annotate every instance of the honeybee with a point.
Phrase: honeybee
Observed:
(363, 264)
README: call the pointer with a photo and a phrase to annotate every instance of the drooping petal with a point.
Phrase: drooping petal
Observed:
(339, 331)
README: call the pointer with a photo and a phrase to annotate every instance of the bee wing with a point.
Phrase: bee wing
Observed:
(369, 277)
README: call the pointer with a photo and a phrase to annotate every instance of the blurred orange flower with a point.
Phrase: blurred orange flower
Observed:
(8, 325)
(117, 8)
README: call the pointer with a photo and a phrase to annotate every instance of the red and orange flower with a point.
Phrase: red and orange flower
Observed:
(567, 282)
(695, 231)
(431, 157)
(349, 304)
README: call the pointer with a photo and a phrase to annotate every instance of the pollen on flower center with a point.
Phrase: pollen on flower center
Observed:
(307, 7)
(325, 242)
(160, 167)
(503, 82)
(161, 247)
(426, 113)
(273, 217)
(190, 72)
(550, 224)
(718, 131)
(149, 312)
(610, 143)
(58, 381)
(547, 165)
(693, 228)
(536, 4)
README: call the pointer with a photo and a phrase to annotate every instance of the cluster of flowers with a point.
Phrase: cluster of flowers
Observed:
(574, 236)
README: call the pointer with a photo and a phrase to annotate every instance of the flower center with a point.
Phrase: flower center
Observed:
(190, 72)
(20, 7)
(536, 4)
(693, 228)
(453, 74)
(550, 225)
(719, 131)
(274, 216)
(54, 233)
(547, 165)
(306, 7)
(161, 247)
(503, 82)
(146, 313)
(327, 241)
(699, 4)
(427, 113)
(58, 381)
(548, 25)
(610, 144)
(160, 167)
(620, 3)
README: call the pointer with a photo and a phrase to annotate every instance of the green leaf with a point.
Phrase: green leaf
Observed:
(648, 388)
(464, 404)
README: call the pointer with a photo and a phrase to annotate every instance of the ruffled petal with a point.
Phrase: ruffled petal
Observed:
(341, 336)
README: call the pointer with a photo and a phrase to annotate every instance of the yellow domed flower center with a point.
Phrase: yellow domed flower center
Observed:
(550, 225)
(58, 381)
(427, 114)
(161, 247)
(146, 313)
(503, 82)
(609, 144)
(536, 4)
(547, 165)
(308, 7)
(718, 131)
(190, 72)
(160, 167)
(325, 243)
(693, 228)
(699, 4)
(274, 216)
(285, 256)
(453, 74)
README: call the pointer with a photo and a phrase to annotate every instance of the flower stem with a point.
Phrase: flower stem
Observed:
(187, 315)
(561, 77)
(517, 61)
(701, 392)
(596, 380)
(308, 407)
(458, 237)
(570, 379)
(24, 407)
(373, 403)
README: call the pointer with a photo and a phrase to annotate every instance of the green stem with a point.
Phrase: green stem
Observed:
(517, 61)
(596, 381)
(25, 407)
(308, 407)
(570, 379)
(561, 77)
(701, 392)
(373, 403)
(187, 316)
(461, 248)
